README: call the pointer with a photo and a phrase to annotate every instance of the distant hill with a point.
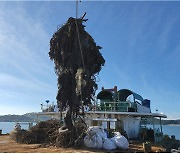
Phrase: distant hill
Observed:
(31, 117)
(168, 122)
(15, 118)
(28, 117)
(164, 122)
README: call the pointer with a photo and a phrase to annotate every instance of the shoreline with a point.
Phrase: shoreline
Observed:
(172, 124)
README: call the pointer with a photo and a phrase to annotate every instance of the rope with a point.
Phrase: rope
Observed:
(76, 8)
(77, 30)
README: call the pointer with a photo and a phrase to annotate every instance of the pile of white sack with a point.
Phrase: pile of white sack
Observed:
(96, 138)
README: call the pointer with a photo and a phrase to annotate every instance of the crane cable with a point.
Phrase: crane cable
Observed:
(77, 30)
(80, 46)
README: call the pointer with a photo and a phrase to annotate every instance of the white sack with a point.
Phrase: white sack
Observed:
(121, 142)
(94, 141)
(109, 144)
(97, 130)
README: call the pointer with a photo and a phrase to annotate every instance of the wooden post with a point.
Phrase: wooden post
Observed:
(108, 127)
(147, 147)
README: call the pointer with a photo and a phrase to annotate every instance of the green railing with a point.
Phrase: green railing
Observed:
(117, 106)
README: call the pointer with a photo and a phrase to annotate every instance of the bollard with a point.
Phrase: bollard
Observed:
(147, 147)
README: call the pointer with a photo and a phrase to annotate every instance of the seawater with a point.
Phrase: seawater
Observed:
(7, 127)
(172, 130)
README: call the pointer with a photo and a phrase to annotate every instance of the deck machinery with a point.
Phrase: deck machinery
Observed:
(123, 100)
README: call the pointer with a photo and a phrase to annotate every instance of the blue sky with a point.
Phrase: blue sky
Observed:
(140, 40)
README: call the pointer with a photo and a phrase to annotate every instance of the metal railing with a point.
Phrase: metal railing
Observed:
(115, 106)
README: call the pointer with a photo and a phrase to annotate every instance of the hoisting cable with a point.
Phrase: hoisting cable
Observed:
(80, 46)
(77, 30)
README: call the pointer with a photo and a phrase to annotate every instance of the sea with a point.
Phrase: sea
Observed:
(7, 127)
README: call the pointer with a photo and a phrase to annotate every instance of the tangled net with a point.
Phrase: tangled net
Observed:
(51, 132)
(77, 59)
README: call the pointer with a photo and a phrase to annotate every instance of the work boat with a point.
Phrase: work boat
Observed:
(122, 111)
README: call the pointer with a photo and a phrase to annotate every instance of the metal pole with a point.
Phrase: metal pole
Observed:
(154, 130)
(160, 124)
(161, 129)
(76, 9)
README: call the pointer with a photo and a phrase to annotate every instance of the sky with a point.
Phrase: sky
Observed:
(140, 43)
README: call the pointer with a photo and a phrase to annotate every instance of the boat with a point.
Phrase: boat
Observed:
(121, 111)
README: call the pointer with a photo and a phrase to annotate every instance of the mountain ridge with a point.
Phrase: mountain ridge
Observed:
(32, 117)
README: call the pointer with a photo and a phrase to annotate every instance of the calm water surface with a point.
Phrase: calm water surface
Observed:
(172, 130)
(7, 127)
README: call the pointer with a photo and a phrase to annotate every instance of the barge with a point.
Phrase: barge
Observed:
(121, 111)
